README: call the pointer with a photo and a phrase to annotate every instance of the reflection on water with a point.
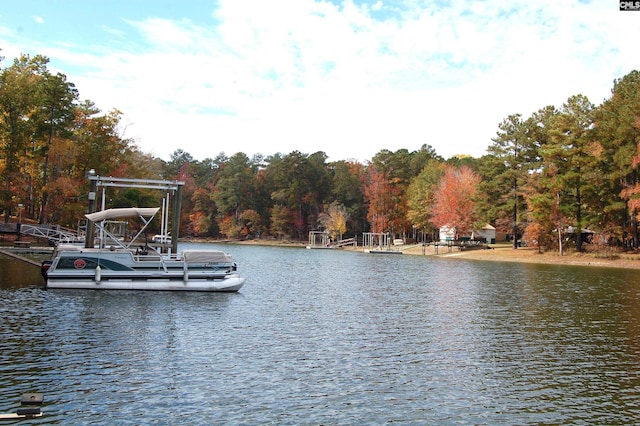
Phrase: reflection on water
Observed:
(329, 337)
(14, 273)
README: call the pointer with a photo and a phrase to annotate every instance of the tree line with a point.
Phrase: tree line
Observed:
(564, 176)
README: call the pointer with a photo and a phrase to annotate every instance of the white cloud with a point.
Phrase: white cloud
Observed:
(352, 80)
(38, 19)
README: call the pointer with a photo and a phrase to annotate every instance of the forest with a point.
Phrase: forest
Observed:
(545, 179)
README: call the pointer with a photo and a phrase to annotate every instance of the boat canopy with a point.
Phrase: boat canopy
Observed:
(122, 213)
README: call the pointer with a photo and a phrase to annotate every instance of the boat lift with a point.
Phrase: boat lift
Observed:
(170, 187)
(319, 240)
(376, 240)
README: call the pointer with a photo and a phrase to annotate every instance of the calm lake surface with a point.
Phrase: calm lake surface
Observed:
(332, 337)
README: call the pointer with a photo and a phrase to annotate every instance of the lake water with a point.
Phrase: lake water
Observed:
(332, 337)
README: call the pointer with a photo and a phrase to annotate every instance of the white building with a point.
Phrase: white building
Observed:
(487, 233)
(447, 233)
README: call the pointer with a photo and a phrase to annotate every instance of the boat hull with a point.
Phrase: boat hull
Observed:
(231, 283)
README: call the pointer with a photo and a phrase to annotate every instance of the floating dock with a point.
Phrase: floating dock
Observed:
(374, 251)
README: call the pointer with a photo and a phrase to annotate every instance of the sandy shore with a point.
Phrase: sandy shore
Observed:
(531, 255)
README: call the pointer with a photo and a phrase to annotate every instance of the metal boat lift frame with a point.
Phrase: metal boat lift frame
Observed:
(376, 240)
(170, 187)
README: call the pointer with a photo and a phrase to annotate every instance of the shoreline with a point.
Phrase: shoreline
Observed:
(497, 253)
(531, 255)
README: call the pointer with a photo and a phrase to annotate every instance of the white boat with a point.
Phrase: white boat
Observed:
(125, 266)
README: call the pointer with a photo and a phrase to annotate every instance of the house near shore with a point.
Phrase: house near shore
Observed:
(447, 233)
(487, 234)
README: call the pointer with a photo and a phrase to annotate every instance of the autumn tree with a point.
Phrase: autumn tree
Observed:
(396, 169)
(251, 224)
(229, 227)
(420, 195)
(546, 218)
(202, 213)
(99, 143)
(454, 200)
(54, 116)
(346, 190)
(334, 220)
(203, 176)
(64, 188)
(377, 193)
(18, 100)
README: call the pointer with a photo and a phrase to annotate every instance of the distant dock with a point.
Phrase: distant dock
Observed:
(383, 251)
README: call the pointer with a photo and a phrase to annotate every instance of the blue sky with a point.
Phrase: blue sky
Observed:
(345, 77)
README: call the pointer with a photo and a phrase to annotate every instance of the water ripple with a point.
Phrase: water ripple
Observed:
(323, 337)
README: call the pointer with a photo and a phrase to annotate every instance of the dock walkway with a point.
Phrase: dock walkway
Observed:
(54, 233)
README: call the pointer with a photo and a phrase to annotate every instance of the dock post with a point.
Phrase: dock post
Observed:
(93, 188)
(175, 223)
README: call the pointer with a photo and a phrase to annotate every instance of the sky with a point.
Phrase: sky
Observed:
(349, 78)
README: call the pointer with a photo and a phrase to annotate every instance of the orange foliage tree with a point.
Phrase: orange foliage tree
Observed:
(454, 200)
(251, 223)
(377, 192)
(200, 223)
